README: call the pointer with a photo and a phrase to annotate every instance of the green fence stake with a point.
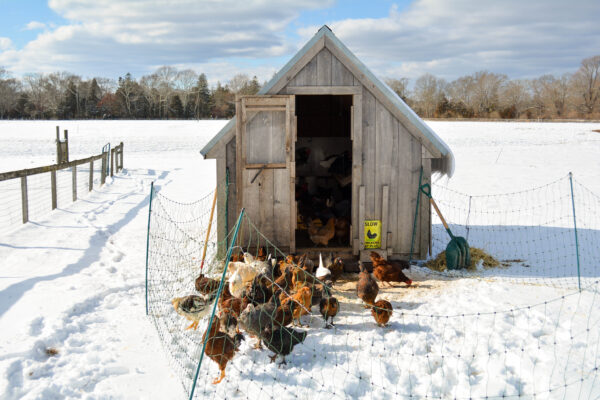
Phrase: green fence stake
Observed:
(412, 242)
(148, 241)
(229, 251)
(575, 225)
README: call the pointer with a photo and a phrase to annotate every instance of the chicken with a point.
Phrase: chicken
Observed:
(242, 274)
(284, 282)
(234, 304)
(282, 341)
(220, 347)
(366, 287)
(255, 319)
(336, 268)
(260, 291)
(387, 272)
(228, 322)
(304, 299)
(190, 307)
(329, 307)
(262, 254)
(342, 230)
(206, 286)
(322, 272)
(321, 235)
(382, 311)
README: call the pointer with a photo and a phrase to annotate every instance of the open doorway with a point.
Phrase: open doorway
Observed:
(323, 171)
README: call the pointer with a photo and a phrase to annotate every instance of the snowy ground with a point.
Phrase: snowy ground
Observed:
(73, 281)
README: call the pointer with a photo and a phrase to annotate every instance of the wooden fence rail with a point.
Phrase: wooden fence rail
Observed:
(116, 165)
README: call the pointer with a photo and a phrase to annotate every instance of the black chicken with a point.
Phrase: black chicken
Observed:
(282, 341)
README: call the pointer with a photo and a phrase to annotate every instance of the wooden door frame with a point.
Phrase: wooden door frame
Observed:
(257, 103)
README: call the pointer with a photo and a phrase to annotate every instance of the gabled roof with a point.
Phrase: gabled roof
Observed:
(444, 164)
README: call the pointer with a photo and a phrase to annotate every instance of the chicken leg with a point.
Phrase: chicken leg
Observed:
(193, 325)
(220, 378)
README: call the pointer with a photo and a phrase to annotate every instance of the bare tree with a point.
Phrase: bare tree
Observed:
(238, 82)
(184, 83)
(400, 86)
(514, 98)
(486, 90)
(9, 89)
(586, 84)
(429, 90)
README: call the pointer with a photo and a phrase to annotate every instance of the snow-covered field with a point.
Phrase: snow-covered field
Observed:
(73, 281)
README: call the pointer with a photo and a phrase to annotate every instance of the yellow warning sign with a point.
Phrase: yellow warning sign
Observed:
(372, 234)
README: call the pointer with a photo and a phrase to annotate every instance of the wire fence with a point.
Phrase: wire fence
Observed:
(33, 193)
(516, 331)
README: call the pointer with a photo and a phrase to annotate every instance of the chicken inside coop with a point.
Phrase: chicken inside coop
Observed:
(323, 171)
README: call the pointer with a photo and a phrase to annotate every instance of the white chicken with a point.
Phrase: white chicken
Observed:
(322, 272)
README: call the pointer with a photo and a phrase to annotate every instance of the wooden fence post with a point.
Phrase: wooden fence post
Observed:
(103, 171)
(58, 148)
(66, 155)
(121, 151)
(74, 172)
(53, 188)
(24, 202)
(112, 162)
(91, 181)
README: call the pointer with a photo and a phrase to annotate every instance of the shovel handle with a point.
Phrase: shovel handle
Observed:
(438, 213)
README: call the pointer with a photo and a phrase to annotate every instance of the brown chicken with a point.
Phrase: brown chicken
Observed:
(262, 254)
(234, 304)
(220, 347)
(336, 268)
(322, 235)
(366, 287)
(387, 272)
(342, 230)
(329, 308)
(206, 286)
(283, 282)
(303, 298)
(382, 311)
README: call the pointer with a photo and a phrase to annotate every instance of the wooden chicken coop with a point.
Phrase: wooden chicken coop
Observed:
(326, 139)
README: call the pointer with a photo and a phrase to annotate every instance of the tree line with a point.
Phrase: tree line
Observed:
(169, 93)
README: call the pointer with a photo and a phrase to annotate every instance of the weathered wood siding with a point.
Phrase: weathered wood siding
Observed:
(388, 156)
(324, 70)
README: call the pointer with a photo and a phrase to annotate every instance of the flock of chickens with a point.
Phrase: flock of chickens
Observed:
(263, 296)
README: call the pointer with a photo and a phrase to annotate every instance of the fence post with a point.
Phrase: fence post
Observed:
(58, 146)
(91, 181)
(112, 162)
(229, 251)
(148, 240)
(103, 169)
(66, 155)
(575, 226)
(74, 172)
(53, 188)
(121, 151)
(24, 202)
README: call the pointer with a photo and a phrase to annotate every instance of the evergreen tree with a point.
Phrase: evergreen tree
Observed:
(92, 99)
(176, 107)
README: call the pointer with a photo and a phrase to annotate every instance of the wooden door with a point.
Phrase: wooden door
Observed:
(265, 137)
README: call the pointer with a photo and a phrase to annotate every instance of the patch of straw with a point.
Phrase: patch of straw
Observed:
(439, 262)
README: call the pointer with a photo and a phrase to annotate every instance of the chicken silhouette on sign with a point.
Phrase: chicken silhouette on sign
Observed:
(372, 234)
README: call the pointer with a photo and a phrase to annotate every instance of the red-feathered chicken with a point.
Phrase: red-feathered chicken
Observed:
(220, 347)
(387, 272)
(367, 287)
(382, 311)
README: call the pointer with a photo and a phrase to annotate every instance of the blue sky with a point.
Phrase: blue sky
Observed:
(223, 37)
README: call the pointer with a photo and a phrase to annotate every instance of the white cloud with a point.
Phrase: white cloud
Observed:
(5, 43)
(449, 39)
(113, 37)
(34, 25)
